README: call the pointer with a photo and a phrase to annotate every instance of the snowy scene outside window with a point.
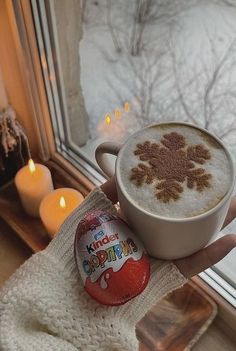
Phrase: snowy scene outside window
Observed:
(147, 61)
(167, 60)
(142, 62)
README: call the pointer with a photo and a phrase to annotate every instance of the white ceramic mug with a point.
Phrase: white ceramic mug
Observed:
(163, 237)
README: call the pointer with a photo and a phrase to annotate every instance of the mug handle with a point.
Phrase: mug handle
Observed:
(106, 148)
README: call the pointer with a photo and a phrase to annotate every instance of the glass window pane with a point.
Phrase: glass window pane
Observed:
(157, 61)
(117, 68)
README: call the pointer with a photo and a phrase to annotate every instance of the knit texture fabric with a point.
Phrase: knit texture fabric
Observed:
(43, 306)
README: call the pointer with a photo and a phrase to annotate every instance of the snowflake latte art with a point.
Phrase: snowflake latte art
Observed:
(175, 170)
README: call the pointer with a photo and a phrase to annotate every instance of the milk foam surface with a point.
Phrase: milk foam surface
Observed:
(191, 202)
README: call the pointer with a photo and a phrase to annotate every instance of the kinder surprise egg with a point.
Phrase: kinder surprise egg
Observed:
(112, 262)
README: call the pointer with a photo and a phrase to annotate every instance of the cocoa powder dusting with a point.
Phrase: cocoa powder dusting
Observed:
(169, 164)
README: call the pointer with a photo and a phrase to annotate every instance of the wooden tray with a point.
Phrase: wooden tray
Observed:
(31, 230)
(176, 322)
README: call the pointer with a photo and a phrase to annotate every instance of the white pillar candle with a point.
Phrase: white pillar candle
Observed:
(57, 206)
(33, 183)
(3, 95)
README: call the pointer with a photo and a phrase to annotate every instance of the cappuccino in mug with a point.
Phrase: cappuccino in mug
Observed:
(174, 170)
(174, 182)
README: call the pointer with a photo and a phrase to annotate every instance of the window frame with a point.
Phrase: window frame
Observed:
(20, 15)
(56, 94)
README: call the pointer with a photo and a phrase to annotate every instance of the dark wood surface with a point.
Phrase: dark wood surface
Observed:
(29, 229)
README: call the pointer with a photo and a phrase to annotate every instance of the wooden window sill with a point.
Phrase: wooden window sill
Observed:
(31, 230)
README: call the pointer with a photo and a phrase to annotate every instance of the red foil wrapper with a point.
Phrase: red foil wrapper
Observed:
(111, 260)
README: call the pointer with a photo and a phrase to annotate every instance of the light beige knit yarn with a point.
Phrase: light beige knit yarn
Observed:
(43, 306)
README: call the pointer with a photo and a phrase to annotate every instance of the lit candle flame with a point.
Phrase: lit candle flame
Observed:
(31, 166)
(108, 119)
(126, 107)
(62, 202)
(117, 113)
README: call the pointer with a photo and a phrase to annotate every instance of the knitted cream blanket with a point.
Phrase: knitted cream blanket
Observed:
(43, 306)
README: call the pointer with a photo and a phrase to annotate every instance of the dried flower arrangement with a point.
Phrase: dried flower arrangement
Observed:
(14, 145)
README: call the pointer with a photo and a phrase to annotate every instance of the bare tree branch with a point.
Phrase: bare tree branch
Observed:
(143, 7)
(83, 9)
(114, 36)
